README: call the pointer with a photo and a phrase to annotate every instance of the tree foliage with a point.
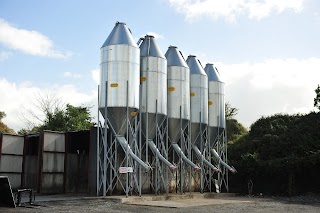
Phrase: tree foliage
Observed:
(276, 154)
(230, 111)
(316, 100)
(234, 128)
(3, 127)
(71, 119)
(2, 115)
(56, 116)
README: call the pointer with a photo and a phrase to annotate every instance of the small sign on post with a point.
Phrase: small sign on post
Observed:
(124, 170)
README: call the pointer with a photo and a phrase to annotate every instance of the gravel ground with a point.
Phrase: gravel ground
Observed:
(299, 204)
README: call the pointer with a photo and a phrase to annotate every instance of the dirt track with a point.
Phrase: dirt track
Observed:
(235, 204)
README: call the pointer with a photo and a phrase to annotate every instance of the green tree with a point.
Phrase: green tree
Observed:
(3, 127)
(282, 148)
(234, 128)
(70, 119)
(56, 116)
(230, 111)
(316, 100)
(2, 115)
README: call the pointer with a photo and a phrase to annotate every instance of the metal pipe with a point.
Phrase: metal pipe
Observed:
(182, 155)
(158, 154)
(216, 155)
(125, 146)
(197, 151)
(105, 149)
(127, 135)
(98, 148)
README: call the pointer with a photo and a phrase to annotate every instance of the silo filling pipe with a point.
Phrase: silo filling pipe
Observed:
(182, 155)
(216, 155)
(198, 153)
(156, 151)
(125, 146)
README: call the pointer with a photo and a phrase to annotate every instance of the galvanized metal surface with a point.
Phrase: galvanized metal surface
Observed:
(178, 93)
(162, 158)
(199, 154)
(126, 148)
(216, 155)
(198, 91)
(216, 98)
(199, 98)
(120, 34)
(187, 160)
(120, 64)
(153, 79)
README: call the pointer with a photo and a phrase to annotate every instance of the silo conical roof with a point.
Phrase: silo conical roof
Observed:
(149, 47)
(212, 72)
(174, 57)
(194, 65)
(120, 35)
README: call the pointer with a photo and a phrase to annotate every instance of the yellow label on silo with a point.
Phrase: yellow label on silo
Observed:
(210, 103)
(171, 89)
(143, 78)
(192, 94)
(134, 113)
(114, 85)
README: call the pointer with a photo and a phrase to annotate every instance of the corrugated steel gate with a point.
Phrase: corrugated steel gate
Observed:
(11, 150)
(52, 162)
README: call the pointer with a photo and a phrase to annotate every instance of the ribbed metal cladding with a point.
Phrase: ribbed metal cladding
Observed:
(216, 98)
(198, 97)
(178, 92)
(120, 63)
(153, 79)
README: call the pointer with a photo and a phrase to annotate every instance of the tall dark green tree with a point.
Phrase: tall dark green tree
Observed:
(316, 100)
(277, 153)
(234, 128)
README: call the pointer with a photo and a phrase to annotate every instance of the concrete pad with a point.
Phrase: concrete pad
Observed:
(172, 197)
(170, 200)
(190, 202)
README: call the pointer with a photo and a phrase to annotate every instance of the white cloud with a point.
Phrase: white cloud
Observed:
(22, 98)
(30, 42)
(4, 55)
(95, 74)
(231, 9)
(256, 89)
(156, 35)
(271, 86)
(71, 75)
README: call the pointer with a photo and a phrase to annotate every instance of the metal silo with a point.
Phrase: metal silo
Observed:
(153, 109)
(178, 93)
(217, 120)
(199, 99)
(179, 114)
(118, 102)
(153, 78)
(199, 121)
(120, 67)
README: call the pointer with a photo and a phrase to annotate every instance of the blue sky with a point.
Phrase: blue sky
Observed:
(267, 51)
